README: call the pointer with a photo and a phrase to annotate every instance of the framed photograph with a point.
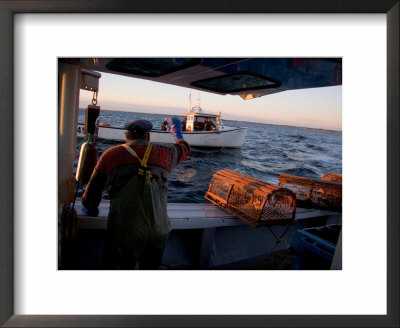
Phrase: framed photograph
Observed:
(34, 35)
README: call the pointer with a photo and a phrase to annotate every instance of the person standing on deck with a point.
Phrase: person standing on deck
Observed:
(135, 176)
(164, 125)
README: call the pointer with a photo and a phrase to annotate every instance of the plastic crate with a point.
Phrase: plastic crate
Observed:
(316, 247)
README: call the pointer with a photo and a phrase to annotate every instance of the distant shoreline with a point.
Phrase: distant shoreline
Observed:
(281, 125)
(289, 126)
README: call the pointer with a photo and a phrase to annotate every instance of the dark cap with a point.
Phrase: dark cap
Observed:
(138, 126)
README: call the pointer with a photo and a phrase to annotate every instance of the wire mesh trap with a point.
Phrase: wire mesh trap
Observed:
(333, 177)
(313, 192)
(253, 201)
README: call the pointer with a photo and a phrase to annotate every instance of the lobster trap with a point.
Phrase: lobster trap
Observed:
(313, 192)
(332, 177)
(253, 201)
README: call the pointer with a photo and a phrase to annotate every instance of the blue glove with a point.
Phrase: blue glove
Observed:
(176, 128)
(90, 212)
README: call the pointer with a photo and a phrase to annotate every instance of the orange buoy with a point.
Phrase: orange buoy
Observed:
(87, 162)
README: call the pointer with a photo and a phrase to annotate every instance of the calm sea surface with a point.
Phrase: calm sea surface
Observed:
(267, 152)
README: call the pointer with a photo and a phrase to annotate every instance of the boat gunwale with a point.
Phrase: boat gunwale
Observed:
(234, 128)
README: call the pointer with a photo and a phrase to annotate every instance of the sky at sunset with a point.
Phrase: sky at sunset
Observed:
(313, 108)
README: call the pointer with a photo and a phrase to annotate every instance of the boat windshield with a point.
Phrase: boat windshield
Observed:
(205, 123)
(199, 123)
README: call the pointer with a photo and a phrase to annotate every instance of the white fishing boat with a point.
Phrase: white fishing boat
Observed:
(194, 131)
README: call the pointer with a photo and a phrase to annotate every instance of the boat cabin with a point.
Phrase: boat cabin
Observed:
(197, 120)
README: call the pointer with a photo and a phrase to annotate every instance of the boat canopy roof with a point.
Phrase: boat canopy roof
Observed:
(198, 111)
(201, 114)
(248, 77)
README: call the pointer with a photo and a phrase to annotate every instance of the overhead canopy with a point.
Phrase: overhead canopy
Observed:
(247, 77)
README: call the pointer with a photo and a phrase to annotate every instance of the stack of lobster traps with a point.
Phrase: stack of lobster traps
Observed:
(259, 203)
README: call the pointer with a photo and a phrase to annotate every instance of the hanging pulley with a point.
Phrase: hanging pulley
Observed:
(91, 114)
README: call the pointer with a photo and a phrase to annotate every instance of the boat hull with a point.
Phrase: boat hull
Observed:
(226, 137)
(203, 236)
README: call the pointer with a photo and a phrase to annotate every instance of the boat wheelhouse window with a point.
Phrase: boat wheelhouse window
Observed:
(236, 82)
(199, 123)
(152, 67)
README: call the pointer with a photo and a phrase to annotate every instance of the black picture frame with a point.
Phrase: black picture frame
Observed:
(7, 11)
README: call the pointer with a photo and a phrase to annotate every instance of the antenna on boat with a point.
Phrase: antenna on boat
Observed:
(190, 102)
(198, 99)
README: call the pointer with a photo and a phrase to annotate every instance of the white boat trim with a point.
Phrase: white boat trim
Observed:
(187, 216)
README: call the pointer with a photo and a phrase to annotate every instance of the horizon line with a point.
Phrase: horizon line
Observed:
(233, 120)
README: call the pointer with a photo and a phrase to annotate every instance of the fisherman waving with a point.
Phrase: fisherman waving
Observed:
(135, 176)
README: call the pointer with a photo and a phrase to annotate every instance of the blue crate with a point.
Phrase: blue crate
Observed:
(315, 246)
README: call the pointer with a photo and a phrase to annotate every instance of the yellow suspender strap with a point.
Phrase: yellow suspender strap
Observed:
(143, 162)
(146, 155)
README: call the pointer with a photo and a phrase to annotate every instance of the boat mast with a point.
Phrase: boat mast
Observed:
(198, 100)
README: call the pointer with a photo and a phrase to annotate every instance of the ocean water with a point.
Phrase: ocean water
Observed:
(268, 151)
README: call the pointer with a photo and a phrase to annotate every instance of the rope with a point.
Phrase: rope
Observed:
(68, 223)
(278, 240)
(84, 139)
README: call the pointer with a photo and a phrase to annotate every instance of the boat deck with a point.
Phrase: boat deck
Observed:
(203, 236)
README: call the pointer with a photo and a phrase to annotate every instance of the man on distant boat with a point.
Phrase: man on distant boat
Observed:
(208, 125)
(135, 176)
(164, 125)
